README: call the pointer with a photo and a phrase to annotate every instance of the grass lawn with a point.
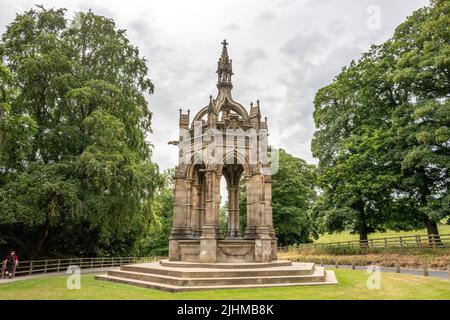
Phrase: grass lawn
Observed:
(352, 285)
(346, 236)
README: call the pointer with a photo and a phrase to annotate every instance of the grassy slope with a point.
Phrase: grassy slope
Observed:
(346, 236)
(352, 285)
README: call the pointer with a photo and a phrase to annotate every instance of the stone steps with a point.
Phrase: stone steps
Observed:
(330, 279)
(192, 277)
(316, 276)
(152, 268)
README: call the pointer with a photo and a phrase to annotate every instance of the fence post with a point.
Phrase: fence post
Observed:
(336, 264)
(59, 263)
(353, 264)
(418, 240)
(425, 269)
(112, 261)
(45, 266)
(31, 267)
(397, 266)
(102, 261)
(92, 263)
(385, 242)
(401, 241)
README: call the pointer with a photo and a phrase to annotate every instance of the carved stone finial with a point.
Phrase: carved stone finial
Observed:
(224, 67)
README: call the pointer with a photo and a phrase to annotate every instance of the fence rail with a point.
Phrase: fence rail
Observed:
(414, 241)
(30, 267)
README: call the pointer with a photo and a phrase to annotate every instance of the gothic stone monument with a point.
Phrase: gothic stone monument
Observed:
(223, 139)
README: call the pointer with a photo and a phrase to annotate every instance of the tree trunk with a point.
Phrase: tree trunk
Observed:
(40, 238)
(362, 225)
(363, 237)
(433, 233)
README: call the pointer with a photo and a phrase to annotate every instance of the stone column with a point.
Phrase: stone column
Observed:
(233, 213)
(202, 205)
(250, 228)
(188, 220)
(237, 226)
(256, 214)
(269, 217)
(257, 228)
(179, 227)
(216, 196)
(208, 241)
(196, 211)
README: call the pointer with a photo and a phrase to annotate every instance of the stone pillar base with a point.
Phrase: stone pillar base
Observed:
(274, 253)
(208, 244)
(174, 250)
(181, 233)
(234, 234)
(263, 249)
(250, 233)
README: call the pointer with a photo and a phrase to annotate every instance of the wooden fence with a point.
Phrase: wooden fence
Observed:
(415, 241)
(57, 265)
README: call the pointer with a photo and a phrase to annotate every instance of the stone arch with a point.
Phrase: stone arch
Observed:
(219, 103)
(233, 171)
(242, 160)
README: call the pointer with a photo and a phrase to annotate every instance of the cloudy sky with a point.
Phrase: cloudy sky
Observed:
(283, 52)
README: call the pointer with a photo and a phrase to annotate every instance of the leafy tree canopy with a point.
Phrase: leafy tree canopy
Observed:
(76, 170)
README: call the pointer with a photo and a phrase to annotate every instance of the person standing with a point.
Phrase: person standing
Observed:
(11, 263)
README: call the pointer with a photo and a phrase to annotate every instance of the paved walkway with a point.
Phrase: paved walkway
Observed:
(40, 275)
(418, 272)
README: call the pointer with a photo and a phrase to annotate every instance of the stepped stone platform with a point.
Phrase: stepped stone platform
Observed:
(176, 276)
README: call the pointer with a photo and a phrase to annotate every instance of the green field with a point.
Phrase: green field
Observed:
(352, 285)
(346, 236)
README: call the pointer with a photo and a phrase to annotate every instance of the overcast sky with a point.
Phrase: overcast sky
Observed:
(283, 52)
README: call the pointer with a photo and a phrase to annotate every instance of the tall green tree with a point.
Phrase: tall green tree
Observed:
(293, 194)
(83, 181)
(156, 241)
(382, 132)
(422, 71)
(354, 144)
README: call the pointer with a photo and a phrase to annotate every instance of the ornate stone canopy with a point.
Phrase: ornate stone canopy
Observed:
(223, 139)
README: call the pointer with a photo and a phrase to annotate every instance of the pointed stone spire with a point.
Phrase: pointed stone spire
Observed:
(224, 67)
(212, 115)
(255, 111)
(211, 104)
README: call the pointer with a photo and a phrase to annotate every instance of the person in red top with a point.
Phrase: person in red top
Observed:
(11, 262)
